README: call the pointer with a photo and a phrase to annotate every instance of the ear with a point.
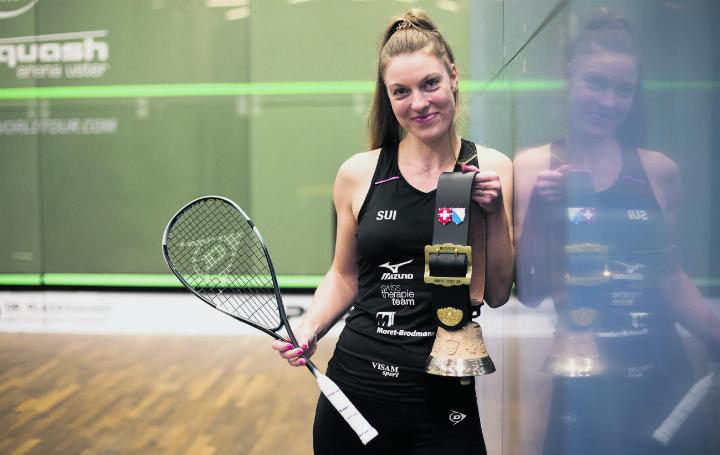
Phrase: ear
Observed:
(454, 78)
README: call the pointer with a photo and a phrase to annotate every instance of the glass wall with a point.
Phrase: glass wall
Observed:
(609, 109)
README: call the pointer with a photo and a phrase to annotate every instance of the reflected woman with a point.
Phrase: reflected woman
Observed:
(595, 227)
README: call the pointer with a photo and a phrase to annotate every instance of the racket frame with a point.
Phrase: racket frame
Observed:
(276, 288)
(337, 398)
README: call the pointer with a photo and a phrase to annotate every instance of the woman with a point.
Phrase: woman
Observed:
(595, 224)
(385, 203)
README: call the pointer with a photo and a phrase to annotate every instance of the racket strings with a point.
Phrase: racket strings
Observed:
(215, 250)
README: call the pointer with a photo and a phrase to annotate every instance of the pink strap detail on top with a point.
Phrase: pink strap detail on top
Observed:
(387, 180)
(635, 179)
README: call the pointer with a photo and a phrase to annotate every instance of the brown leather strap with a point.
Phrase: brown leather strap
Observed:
(478, 236)
(478, 241)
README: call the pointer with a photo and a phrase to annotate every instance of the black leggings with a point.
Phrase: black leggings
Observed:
(448, 423)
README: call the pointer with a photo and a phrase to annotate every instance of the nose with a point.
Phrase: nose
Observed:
(419, 102)
(609, 99)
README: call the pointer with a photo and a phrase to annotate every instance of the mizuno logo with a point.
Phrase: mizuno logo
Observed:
(393, 274)
(631, 272)
(394, 268)
(631, 268)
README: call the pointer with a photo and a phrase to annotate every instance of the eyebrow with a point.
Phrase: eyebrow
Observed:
(424, 79)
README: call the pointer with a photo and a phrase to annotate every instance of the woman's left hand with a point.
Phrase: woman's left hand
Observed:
(486, 189)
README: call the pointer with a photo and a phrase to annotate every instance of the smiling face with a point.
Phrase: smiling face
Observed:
(602, 91)
(420, 88)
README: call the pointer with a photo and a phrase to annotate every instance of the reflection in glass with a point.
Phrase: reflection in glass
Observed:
(595, 228)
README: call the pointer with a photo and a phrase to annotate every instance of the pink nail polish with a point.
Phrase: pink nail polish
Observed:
(304, 346)
(301, 352)
(289, 346)
(302, 362)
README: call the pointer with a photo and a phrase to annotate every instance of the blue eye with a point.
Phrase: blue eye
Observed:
(432, 83)
(596, 83)
(625, 90)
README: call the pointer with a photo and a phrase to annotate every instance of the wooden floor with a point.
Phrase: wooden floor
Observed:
(81, 394)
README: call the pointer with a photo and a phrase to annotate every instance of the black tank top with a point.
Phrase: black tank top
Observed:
(634, 327)
(390, 330)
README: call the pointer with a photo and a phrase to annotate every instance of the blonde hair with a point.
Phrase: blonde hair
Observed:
(411, 32)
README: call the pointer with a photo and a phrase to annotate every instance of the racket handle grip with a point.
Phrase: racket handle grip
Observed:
(347, 410)
(672, 423)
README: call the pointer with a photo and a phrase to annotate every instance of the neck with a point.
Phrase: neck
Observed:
(592, 152)
(431, 155)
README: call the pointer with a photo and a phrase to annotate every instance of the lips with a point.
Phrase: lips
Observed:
(602, 118)
(424, 119)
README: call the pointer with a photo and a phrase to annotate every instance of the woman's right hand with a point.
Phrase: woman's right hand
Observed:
(550, 184)
(307, 341)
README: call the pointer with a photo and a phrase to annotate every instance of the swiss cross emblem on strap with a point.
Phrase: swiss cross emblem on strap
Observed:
(447, 214)
(444, 215)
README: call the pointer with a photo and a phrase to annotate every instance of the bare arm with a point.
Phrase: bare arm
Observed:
(684, 298)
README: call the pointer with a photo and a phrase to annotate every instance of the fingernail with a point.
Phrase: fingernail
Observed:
(304, 346)
(302, 362)
(289, 346)
(301, 352)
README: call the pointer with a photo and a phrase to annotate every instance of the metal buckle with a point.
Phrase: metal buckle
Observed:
(589, 264)
(448, 248)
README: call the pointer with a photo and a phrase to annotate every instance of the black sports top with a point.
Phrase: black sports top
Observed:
(634, 326)
(390, 330)
(647, 371)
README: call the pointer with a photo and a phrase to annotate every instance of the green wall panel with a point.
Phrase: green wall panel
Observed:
(336, 40)
(296, 151)
(107, 197)
(20, 249)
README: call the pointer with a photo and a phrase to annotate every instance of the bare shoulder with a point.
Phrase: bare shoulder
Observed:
(491, 159)
(659, 167)
(359, 168)
(353, 181)
(662, 172)
(533, 158)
